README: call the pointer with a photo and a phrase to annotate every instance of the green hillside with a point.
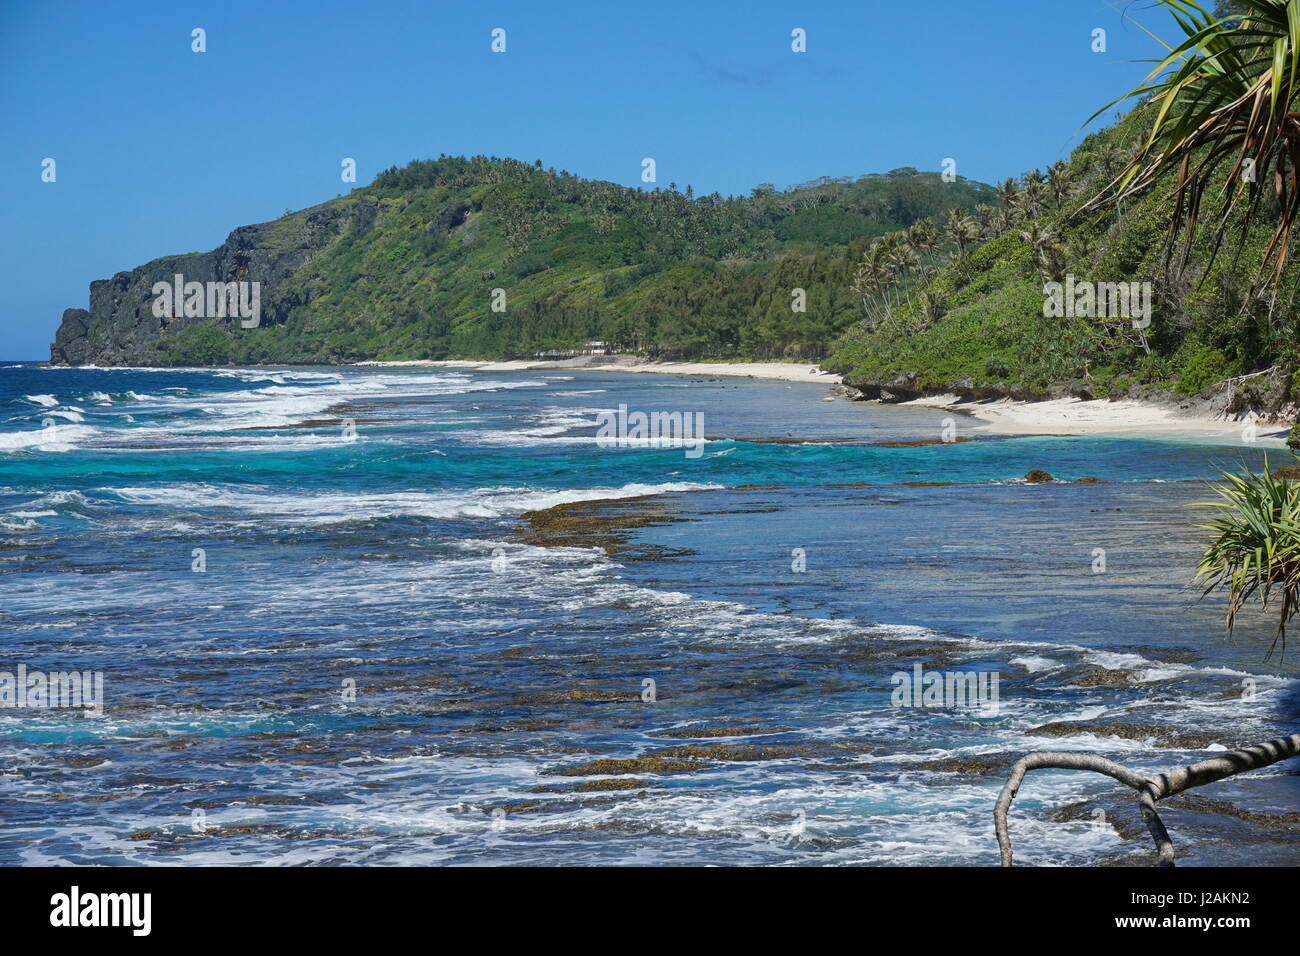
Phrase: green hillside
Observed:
(976, 324)
(406, 268)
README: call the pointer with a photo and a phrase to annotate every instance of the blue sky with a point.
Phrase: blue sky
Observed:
(162, 150)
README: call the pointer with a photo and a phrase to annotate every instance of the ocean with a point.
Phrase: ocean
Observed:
(429, 616)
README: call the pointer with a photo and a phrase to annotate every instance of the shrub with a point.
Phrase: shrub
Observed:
(1202, 366)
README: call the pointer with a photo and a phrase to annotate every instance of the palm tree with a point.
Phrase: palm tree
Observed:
(959, 229)
(863, 283)
(933, 307)
(1058, 181)
(903, 260)
(869, 280)
(1225, 95)
(1047, 252)
(1030, 200)
(925, 239)
(1111, 160)
(986, 220)
(1008, 193)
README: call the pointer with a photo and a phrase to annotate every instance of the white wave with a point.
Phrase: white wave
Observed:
(1036, 663)
(58, 438)
(334, 507)
(48, 401)
(291, 398)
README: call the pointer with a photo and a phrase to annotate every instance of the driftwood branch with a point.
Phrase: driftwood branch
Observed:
(1150, 789)
(1242, 378)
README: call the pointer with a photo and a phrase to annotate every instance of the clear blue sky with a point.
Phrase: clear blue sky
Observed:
(162, 150)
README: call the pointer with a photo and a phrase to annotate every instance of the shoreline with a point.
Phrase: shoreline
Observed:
(1065, 417)
(1102, 418)
(776, 371)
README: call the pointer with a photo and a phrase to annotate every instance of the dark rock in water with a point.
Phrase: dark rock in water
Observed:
(903, 388)
(602, 523)
(1192, 801)
(1167, 737)
(595, 786)
(1289, 472)
(1104, 677)
(704, 731)
(1037, 475)
(611, 765)
(983, 765)
(1118, 815)
(850, 392)
(744, 752)
(582, 695)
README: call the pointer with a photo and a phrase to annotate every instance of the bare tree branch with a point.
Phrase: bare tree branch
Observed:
(1150, 789)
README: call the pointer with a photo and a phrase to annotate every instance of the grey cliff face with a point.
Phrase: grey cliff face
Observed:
(119, 326)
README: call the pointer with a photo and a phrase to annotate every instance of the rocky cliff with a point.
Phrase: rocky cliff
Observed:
(120, 327)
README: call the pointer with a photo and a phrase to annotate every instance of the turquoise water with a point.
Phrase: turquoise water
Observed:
(360, 528)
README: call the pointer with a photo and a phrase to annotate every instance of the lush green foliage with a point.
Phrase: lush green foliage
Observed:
(1255, 549)
(1210, 318)
(1224, 102)
(662, 272)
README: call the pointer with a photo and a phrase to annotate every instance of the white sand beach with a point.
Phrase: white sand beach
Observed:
(1072, 416)
(1064, 416)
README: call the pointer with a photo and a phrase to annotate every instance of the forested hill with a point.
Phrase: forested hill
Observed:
(975, 324)
(409, 266)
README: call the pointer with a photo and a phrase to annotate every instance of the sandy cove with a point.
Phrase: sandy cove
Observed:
(1063, 416)
(1073, 416)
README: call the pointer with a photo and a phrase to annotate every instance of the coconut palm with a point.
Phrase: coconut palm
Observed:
(959, 228)
(1058, 181)
(1009, 197)
(1032, 196)
(869, 282)
(1224, 102)
(926, 240)
(864, 284)
(986, 219)
(903, 260)
(933, 307)
(1047, 252)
